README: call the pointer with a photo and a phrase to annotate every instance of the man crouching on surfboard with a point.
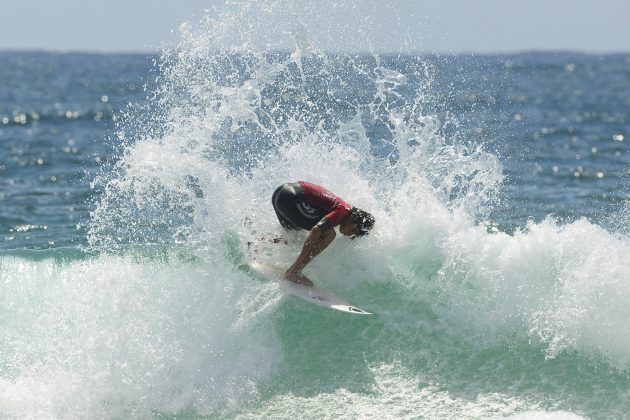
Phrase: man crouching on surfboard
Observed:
(303, 205)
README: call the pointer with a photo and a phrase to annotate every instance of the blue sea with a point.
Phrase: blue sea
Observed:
(498, 271)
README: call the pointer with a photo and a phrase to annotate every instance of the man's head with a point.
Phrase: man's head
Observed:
(358, 223)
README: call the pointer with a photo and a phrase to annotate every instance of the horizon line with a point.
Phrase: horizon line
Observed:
(80, 51)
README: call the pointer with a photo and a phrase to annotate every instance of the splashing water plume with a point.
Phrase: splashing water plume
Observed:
(235, 118)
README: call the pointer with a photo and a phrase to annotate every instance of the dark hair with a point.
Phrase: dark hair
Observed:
(362, 221)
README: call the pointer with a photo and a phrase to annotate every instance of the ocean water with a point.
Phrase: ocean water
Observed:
(498, 271)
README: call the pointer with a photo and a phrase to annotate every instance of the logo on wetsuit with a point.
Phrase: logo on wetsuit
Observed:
(307, 211)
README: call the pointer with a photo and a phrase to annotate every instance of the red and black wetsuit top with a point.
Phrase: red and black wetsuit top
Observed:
(334, 209)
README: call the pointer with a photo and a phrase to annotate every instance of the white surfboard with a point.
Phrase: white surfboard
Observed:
(313, 294)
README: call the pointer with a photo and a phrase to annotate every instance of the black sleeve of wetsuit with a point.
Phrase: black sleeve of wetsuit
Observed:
(324, 224)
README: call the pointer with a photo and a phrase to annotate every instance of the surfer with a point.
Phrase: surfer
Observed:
(303, 205)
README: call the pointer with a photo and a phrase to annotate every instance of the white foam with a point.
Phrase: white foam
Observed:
(115, 337)
(564, 285)
(396, 393)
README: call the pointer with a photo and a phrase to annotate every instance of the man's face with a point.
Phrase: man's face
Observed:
(347, 228)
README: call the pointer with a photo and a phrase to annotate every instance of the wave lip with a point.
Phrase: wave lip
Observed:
(564, 285)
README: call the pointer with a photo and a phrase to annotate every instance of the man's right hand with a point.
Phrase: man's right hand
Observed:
(297, 277)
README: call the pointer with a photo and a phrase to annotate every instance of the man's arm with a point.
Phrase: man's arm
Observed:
(316, 241)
